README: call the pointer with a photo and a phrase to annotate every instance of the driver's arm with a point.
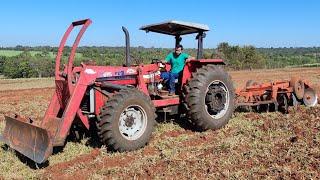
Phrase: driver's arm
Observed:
(189, 57)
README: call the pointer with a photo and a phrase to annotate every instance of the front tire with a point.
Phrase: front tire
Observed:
(126, 120)
(210, 97)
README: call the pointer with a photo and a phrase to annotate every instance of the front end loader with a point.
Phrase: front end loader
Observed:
(122, 101)
(37, 141)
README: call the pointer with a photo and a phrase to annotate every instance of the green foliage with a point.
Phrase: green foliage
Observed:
(24, 61)
(26, 65)
(246, 57)
(43, 64)
(2, 61)
(283, 57)
(18, 67)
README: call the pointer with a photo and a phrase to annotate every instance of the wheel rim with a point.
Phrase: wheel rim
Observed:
(217, 99)
(132, 122)
(310, 98)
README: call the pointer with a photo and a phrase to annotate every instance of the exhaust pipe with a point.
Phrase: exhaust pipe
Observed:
(128, 58)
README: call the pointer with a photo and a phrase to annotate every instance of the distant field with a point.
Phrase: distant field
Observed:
(25, 83)
(306, 65)
(11, 53)
(266, 75)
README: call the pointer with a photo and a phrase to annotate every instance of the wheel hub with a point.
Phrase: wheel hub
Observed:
(132, 122)
(215, 99)
(129, 121)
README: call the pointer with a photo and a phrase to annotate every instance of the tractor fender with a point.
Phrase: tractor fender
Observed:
(193, 64)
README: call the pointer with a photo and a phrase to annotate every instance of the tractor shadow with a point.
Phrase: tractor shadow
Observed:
(179, 120)
(25, 160)
(78, 134)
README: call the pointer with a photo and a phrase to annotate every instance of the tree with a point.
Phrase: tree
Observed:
(246, 57)
(19, 66)
(2, 61)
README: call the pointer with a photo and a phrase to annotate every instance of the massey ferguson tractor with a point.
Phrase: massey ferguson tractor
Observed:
(122, 101)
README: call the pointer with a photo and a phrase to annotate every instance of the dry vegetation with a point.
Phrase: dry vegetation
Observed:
(251, 146)
(18, 84)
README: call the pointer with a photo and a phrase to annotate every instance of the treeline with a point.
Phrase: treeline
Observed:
(42, 63)
(283, 57)
(26, 65)
(246, 57)
(249, 57)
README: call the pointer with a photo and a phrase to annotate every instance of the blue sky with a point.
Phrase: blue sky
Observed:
(264, 23)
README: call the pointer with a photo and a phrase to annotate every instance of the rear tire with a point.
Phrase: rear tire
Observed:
(126, 120)
(210, 97)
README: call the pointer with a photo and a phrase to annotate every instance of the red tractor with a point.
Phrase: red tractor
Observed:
(122, 101)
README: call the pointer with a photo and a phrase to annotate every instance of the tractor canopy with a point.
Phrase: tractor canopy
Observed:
(179, 28)
(175, 28)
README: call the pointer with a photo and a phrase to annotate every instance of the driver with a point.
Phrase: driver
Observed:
(177, 60)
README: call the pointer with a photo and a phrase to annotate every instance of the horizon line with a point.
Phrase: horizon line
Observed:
(152, 47)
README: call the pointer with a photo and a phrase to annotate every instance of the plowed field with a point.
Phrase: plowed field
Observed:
(251, 146)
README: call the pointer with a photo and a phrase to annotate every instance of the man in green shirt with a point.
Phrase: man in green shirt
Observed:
(177, 60)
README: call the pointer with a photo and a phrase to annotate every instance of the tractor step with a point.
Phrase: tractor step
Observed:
(169, 97)
(165, 110)
(171, 110)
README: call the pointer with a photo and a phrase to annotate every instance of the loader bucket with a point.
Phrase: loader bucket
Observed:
(30, 140)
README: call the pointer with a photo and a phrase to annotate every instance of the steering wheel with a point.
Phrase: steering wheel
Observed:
(156, 60)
